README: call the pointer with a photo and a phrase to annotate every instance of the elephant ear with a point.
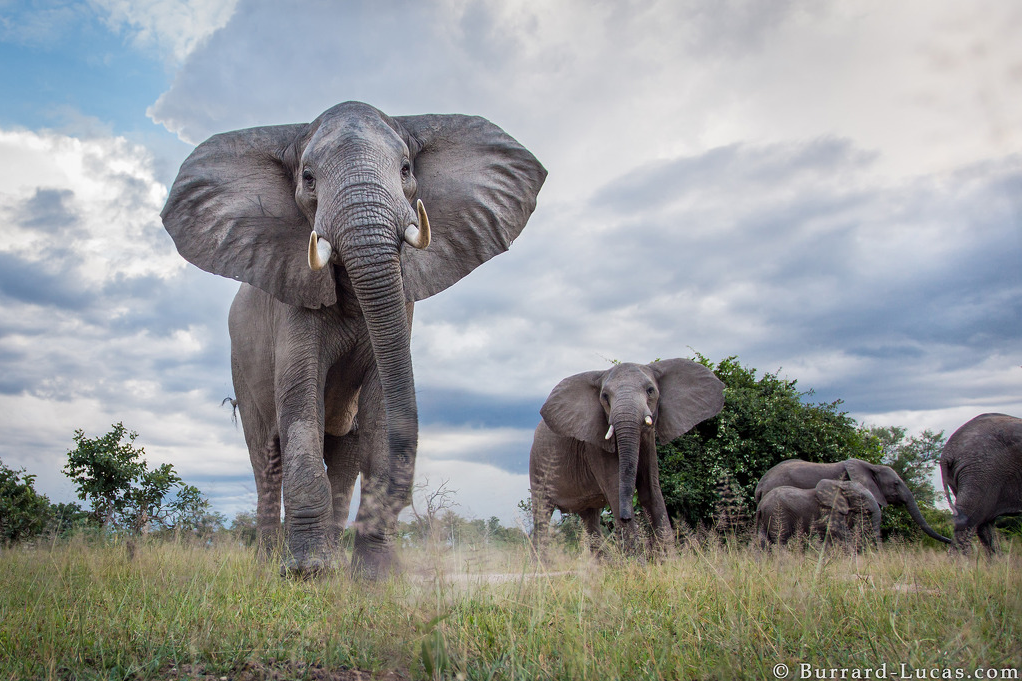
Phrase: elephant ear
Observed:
(574, 410)
(861, 498)
(861, 472)
(831, 494)
(689, 394)
(232, 212)
(479, 188)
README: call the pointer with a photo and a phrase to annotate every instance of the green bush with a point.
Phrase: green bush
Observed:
(24, 513)
(765, 420)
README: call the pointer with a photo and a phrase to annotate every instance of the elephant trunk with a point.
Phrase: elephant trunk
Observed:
(875, 518)
(913, 510)
(628, 436)
(367, 237)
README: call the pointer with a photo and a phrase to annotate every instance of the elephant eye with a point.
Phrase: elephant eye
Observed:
(406, 169)
(605, 398)
(650, 390)
(309, 179)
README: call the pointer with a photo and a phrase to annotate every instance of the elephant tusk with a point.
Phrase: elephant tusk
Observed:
(319, 252)
(419, 237)
(610, 432)
(649, 420)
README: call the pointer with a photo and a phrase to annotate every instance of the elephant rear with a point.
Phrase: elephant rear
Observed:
(981, 465)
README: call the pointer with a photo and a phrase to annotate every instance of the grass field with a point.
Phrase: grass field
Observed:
(84, 611)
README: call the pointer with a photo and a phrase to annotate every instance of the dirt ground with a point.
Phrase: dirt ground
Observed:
(282, 671)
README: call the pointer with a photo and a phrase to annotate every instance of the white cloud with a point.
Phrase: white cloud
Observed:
(480, 490)
(597, 90)
(89, 207)
(102, 320)
(176, 27)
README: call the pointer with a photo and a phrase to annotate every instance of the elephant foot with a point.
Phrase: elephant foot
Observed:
(308, 554)
(373, 559)
(309, 568)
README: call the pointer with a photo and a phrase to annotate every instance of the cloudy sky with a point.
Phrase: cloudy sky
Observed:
(831, 190)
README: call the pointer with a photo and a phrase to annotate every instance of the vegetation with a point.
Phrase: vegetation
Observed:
(111, 474)
(24, 512)
(183, 610)
(123, 494)
(914, 459)
(766, 420)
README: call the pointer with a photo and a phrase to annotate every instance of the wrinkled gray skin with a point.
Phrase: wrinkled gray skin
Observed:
(883, 483)
(574, 467)
(982, 465)
(321, 360)
(834, 510)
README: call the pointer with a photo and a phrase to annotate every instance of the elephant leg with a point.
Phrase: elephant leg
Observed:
(264, 454)
(652, 501)
(962, 542)
(299, 390)
(606, 474)
(762, 532)
(268, 475)
(341, 455)
(249, 369)
(985, 532)
(375, 522)
(542, 509)
(591, 524)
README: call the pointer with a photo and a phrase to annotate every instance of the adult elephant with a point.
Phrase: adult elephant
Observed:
(835, 510)
(982, 465)
(883, 483)
(596, 442)
(325, 224)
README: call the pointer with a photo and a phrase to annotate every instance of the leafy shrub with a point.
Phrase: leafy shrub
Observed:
(24, 513)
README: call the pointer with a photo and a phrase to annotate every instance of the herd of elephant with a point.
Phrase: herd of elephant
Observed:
(575, 468)
(325, 225)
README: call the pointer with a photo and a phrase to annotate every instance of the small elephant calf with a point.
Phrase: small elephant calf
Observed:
(835, 510)
(596, 443)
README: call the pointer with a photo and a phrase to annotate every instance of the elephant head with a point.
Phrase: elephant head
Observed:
(333, 213)
(617, 409)
(887, 487)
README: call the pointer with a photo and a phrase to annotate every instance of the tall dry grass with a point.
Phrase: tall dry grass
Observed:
(711, 611)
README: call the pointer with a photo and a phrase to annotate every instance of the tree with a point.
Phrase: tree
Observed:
(190, 511)
(112, 475)
(24, 513)
(69, 517)
(429, 524)
(103, 469)
(244, 527)
(764, 421)
(914, 459)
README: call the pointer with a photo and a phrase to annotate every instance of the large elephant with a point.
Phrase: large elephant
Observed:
(883, 483)
(835, 510)
(325, 224)
(596, 442)
(982, 465)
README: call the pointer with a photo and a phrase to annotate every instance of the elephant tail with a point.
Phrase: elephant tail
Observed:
(947, 493)
(234, 408)
(944, 473)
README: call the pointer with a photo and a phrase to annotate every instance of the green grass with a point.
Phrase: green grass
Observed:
(86, 611)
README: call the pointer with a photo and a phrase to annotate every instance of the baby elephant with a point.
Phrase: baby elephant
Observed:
(596, 442)
(835, 509)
